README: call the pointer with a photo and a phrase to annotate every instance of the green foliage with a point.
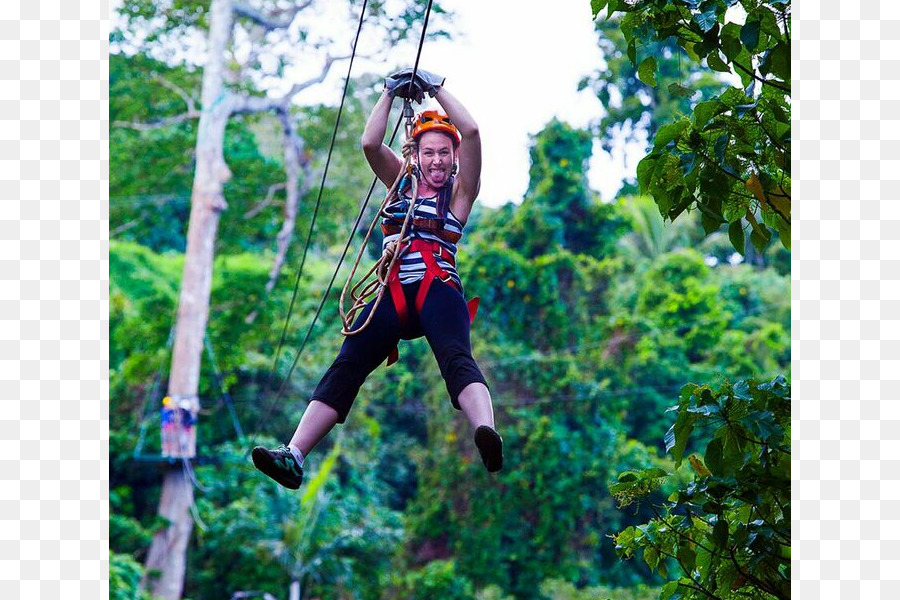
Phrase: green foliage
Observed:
(727, 533)
(563, 380)
(555, 589)
(542, 518)
(126, 534)
(640, 91)
(124, 578)
(730, 155)
(559, 209)
(150, 198)
(678, 296)
(334, 534)
(650, 236)
(437, 579)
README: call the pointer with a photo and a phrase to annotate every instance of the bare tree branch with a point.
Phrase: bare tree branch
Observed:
(296, 161)
(189, 99)
(268, 200)
(326, 67)
(159, 124)
(282, 19)
(192, 111)
(252, 104)
(124, 227)
(257, 35)
(244, 103)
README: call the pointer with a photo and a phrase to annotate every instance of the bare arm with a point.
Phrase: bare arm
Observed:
(468, 180)
(384, 162)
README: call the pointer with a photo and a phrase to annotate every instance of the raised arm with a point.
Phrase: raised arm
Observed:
(468, 180)
(383, 161)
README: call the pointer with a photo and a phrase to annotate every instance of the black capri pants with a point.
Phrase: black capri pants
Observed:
(444, 321)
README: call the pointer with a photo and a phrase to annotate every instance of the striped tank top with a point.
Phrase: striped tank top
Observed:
(412, 266)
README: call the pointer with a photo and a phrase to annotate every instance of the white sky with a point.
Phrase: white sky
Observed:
(515, 65)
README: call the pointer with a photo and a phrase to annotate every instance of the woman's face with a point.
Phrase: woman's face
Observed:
(435, 158)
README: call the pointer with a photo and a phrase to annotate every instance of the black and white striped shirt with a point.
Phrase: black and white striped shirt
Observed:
(412, 266)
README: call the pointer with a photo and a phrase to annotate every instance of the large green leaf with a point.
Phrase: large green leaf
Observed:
(645, 172)
(680, 91)
(597, 6)
(706, 20)
(668, 132)
(750, 34)
(720, 533)
(736, 235)
(676, 437)
(779, 61)
(713, 457)
(704, 111)
(730, 40)
(647, 71)
(717, 64)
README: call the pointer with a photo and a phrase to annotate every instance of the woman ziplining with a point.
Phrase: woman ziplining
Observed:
(431, 192)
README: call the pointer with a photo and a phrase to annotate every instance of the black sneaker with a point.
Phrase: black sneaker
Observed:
(280, 465)
(490, 445)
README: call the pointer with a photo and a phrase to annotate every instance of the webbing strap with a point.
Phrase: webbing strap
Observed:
(429, 250)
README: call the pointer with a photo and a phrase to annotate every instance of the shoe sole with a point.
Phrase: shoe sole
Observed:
(263, 462)
(490, 446)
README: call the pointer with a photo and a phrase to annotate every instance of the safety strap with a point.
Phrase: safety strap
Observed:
(393, 222)
(430, 251)
(433, 226)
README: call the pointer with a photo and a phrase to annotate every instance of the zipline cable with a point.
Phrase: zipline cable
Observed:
(533, 356)
(421, 43)
(312, 223)
(154, 393)
(222, 391)
(359, 217)
(284, 383)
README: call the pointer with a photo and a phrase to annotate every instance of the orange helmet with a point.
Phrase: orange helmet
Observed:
(432, 120)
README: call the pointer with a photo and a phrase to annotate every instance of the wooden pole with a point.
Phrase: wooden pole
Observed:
(166, 560)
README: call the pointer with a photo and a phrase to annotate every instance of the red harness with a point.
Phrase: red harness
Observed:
(430, 251)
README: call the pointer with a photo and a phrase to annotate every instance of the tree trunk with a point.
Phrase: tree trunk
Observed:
(167, 556)
(294, 593)
(166, 559)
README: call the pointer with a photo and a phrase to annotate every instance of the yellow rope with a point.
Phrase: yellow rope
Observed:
(363, 289)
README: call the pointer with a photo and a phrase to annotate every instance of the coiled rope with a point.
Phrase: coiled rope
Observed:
(362, 291)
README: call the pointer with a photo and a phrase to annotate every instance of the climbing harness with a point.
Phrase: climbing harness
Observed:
(430, 251)
(386, 270)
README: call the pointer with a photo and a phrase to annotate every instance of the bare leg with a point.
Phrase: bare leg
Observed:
(317, 421)
(475, 402)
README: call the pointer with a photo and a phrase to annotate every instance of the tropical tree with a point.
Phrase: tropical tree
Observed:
(730, 156)
(249, 50)
(727, 533)
(559, 209)
(650, 236)
(635, 110)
